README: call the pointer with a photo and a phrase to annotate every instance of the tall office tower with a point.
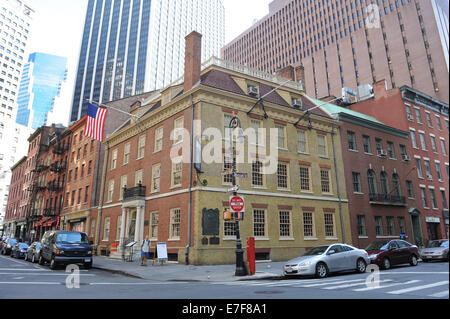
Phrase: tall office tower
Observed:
(41, 83)
(135, 46)
(16, 17)
(344, 43)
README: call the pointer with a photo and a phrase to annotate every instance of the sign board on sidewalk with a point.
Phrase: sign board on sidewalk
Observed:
(161, 249)
(237, 204)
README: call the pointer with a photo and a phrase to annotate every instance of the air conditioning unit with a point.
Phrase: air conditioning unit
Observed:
(429, 176)
(253, 90)
(297, 103)
(406, 158)
(410, 117)
(382, 153)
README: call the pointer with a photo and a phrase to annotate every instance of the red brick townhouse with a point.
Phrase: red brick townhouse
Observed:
(380, 179)
(426, 119)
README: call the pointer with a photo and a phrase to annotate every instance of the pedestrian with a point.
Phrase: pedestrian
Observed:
(145, 254)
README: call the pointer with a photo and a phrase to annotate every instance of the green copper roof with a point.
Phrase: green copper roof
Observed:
(334, 109)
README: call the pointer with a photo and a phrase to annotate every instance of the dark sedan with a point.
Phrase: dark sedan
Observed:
(33, 252)
(394, 252)
(8, 245)
(19, 250)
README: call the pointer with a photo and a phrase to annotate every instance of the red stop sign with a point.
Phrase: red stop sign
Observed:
(237, 204)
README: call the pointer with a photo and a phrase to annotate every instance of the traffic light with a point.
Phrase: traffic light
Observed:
(227, 214)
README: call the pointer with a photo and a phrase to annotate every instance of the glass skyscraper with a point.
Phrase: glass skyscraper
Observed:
(130, 47)
(41, 82)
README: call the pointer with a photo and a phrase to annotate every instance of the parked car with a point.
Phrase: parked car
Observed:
(323, 260)
(394, 252)
(33, 252)
(7, 246)
(435, 250)
(64, 247)
(19, 250)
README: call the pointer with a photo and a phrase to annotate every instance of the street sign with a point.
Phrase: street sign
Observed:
(237, 204)
(233, 189)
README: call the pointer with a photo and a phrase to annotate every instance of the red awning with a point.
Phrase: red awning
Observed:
(40, 222)
(49, 223)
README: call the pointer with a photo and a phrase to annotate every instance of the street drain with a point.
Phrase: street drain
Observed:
(269, 292)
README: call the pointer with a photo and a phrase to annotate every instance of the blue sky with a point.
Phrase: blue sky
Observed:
(58, 26)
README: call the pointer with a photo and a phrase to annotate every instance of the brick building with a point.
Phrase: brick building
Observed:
(426, 119)
(50, 177)
(85, 167)
(15, 193)
(350, 43)
(379, 179)
(147, 194)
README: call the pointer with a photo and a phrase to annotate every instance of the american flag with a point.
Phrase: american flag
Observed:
(95, 122)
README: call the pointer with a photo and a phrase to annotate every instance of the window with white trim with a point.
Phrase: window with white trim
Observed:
(308, 224)
(175, 221)
(329, 225)
(259, 223)
(285, 223)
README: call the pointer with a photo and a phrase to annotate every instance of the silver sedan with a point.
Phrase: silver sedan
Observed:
(325, 259)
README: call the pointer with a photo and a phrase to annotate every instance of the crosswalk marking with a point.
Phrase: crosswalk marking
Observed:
(387, 286)
(352, 285)
(440, 294)
(328, 283)
(402, 291)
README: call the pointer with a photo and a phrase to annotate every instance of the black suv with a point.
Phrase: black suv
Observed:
(64, 247)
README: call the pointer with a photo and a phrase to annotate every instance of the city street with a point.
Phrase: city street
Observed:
(24, 280)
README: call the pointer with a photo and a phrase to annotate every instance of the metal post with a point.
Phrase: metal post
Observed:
(240, 269)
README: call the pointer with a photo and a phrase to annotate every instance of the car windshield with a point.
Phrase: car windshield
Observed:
(316, 251)
(72, 238)
(378, 245)
(437, 243)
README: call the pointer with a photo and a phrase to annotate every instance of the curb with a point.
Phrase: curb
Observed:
(120, 272)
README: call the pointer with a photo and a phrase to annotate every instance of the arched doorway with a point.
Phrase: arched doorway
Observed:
(416, 227)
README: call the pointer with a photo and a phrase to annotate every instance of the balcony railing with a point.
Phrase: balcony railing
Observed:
(134, 193)
(385, 199)
(60, 149)
(38, 188)
(40, 167)
(54, 187)
(57, 167)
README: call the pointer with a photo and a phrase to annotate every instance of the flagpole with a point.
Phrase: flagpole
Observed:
(110, 107)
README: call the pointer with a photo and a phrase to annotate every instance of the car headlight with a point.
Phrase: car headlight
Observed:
(373, 256)
(306, 263)
(444, 251)
(89, 252)
(59, 252)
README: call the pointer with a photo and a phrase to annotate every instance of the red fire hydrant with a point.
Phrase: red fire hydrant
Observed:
(251, 254)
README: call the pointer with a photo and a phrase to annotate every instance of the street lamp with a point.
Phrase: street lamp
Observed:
(236, 123)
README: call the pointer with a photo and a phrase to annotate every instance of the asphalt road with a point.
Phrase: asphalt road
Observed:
(23, 280)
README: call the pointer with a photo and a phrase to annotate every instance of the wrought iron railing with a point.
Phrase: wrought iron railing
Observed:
(135, 192)
(385, 198)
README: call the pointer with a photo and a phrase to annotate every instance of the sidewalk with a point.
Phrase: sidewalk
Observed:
(180, 272)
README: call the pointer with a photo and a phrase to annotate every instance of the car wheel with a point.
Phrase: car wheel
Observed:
(413, 260)
(41, 260)
(361, 266)
(321, 270)
(386, 263)
(53, 264)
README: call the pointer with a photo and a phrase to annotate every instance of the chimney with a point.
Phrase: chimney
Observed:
(296, 74)
(287, 73)
(300, 75)
(192, 60)
(380, 89)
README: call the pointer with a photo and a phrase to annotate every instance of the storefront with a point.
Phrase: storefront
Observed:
(433, 227)
(78, 224)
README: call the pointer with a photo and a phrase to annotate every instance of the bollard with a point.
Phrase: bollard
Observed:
(251, 254)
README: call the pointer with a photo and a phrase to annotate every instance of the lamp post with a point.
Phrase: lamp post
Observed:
(240, 269)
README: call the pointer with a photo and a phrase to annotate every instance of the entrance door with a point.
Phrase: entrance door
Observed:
(432, 229)
(131, 229)
(417, 233)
